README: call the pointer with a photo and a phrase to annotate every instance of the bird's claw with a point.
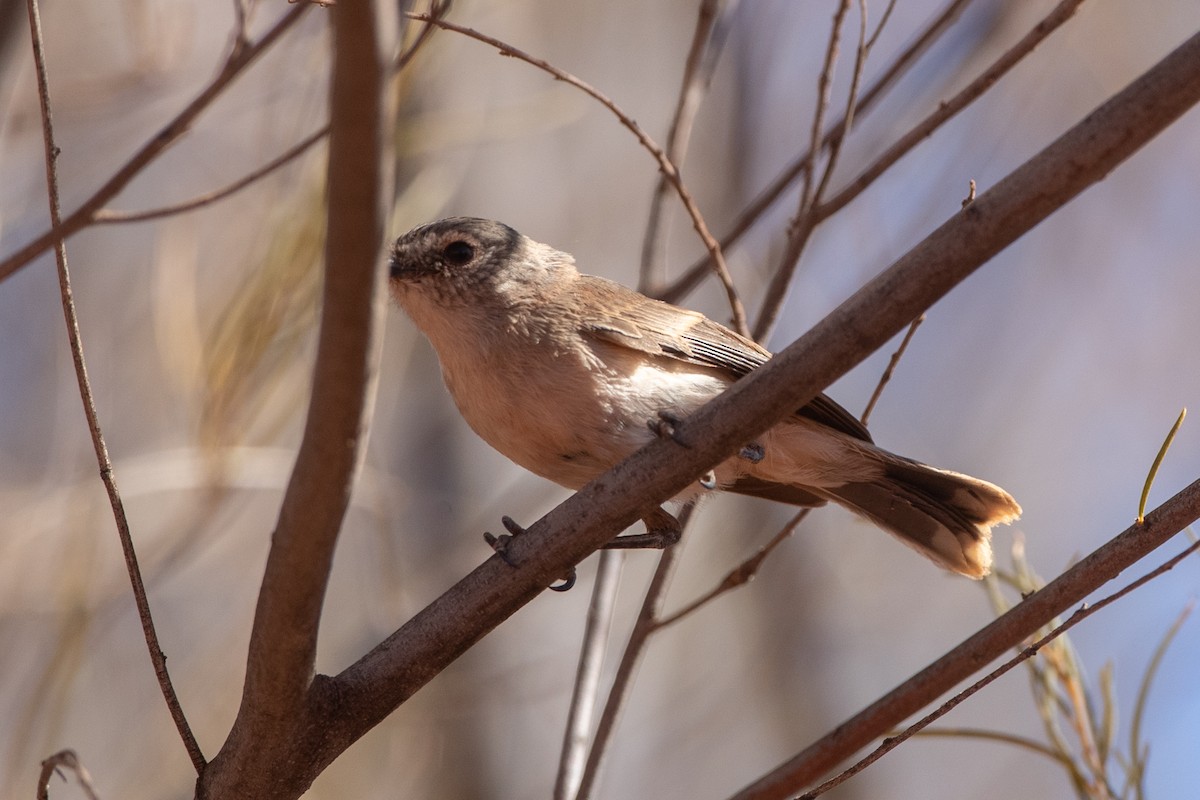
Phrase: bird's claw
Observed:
(500, 544)
(666, 426)
(566, 584)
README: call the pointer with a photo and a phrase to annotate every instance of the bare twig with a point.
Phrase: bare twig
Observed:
(997, 736)
(107, 475)
(886, 377)
(106, 216)
(439, 9)
(1082, 613)
(806, 220)
(587, 677)
(65, 759)
(86, 213)
(668, 169)
(883, 21)
(656, 595)
(738, 576)
(692, 276)
(818, 210)
(697, 76)
(950, 108)
(824, 95)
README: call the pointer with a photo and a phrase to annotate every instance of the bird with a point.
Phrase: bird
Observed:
(567, 374)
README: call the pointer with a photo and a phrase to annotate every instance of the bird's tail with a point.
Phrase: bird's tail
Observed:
(945, 516)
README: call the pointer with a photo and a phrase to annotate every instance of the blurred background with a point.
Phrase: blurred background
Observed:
(1055, 372)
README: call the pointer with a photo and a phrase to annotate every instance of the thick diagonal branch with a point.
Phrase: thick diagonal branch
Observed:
(367, 691)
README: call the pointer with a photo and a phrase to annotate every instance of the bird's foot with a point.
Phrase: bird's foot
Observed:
(662, 531)
(666, 426)
(500, 544)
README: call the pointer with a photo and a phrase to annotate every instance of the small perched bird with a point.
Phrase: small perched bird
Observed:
(561, 372)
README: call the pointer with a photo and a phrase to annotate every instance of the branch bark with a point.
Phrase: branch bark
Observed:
(979, 650)
(265, 752)
(362, 695)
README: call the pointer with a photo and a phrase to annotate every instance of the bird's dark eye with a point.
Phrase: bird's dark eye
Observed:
(458, 253)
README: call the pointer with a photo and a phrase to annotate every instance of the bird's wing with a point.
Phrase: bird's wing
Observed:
(666, 331)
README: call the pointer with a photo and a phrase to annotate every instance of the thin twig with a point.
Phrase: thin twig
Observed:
(439, 9)
(824, 95)
(950, 108)
(886, 377)
(65, 759)
(707, 41)
(692, 276)
(806, 220)
(1082, 613)
(108, 216)
(85, 214)
(737, 309)
(107, 475)
(738, 576)
(643, 628)
(883, 21)
(697, 76)
(998, 736)
(819, 210)
(587, 676)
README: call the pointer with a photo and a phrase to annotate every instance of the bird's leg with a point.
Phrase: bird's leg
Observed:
(753, 452)
(662, 531)
(500, 545)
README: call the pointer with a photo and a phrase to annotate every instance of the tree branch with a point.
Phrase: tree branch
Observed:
(107, 475)
(984, 647)
(260, 756)
(363, 694)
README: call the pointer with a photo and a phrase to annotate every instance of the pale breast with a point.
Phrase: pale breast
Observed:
(569, 415)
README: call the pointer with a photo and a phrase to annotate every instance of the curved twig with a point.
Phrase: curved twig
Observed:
(65, 759)
(86, 213)
(108, 216)
(109, 478)
(669, 170)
